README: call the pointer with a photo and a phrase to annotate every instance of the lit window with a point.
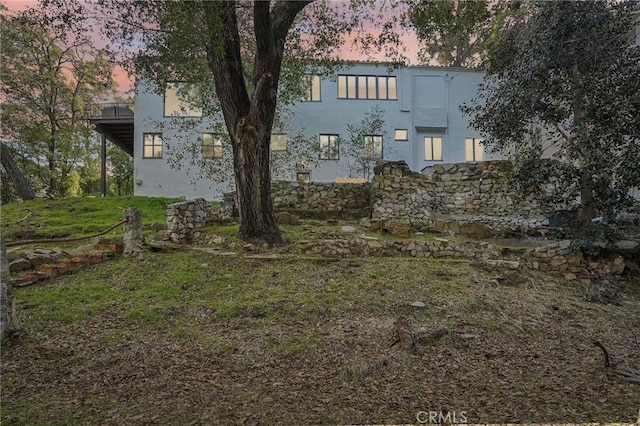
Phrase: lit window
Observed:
(402, 135)
(373, 147)
(329, 147)
(211, 145)
(473, 149)
(312, 91)
(279, 142)
(179, 101)
(432, 148)
(303, 176)
(152, 145)
(367, 87)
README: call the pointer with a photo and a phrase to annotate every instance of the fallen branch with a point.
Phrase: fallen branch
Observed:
(607, 363)
(25, 218)
(65, 240)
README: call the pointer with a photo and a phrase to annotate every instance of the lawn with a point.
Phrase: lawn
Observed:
(185, 336)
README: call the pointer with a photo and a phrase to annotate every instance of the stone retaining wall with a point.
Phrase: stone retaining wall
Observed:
(185, 217)
(558, 258)
(463, 192)
(305, 199)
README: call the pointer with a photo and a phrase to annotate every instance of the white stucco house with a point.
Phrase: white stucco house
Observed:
(423, 126)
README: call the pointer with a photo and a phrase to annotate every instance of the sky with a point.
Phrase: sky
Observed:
(125, 82)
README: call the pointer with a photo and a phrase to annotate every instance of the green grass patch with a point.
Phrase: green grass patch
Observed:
(80, 216)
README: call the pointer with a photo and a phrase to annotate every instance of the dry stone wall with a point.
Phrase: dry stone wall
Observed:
(471, 195)
(307, 198)
(184, 218)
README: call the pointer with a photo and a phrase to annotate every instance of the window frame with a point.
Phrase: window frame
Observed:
(310, 82)
(406, 138)
(333, 141)
(154, 136)
(370, 145)
(286, 142)
(352, 86)
(216, 142)
(475, 148)
(198, 110)
(432, 151)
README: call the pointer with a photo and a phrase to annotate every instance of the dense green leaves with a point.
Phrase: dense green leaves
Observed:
(50, 80)
(564, 81)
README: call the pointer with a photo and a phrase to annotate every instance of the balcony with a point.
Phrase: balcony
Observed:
(115, 122)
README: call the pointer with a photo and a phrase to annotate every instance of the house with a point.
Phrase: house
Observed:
(422, 125)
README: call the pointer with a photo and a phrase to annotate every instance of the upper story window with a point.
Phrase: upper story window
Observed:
(211, 145)
(180, 101)
(373, 147)
(432, 148)
(329, 147)
(402, 135)
(152, 145)
(473, 149)
(279, 142)
(312, 88)
(367, 87)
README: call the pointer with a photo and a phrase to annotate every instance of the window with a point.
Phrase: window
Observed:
(279, 142)
(473, 149)
(329, 147)
(152, 145)
(367, 87)
(373, 147)
(432, 148)
(211, 145)
(179, 101)
(303, 176)
(402, 135)
(312, 90)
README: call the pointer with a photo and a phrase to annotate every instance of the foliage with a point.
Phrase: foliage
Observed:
(451, 31)
(563, 79)
(359, 148)
(120, 172)
(49, 80)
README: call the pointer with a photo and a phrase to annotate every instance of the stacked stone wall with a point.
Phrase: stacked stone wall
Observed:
(465, 193)
(351, 199)
(184, 218)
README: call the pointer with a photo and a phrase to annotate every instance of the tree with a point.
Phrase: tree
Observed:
(452, 32)
(120, 167)
(363, 145)
(564, 78)
(49, 79)
(14, 173)
(234, 52)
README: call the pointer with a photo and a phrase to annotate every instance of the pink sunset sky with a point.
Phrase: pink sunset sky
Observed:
(125, 82)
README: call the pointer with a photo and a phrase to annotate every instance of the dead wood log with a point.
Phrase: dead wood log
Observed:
(406, 338)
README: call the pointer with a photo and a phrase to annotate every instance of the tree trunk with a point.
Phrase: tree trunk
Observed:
(249, 116)
(253, 186)
(19, 180)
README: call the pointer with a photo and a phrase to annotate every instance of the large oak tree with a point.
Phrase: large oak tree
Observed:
(235, 52)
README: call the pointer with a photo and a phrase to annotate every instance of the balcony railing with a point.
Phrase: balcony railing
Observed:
(111, 111)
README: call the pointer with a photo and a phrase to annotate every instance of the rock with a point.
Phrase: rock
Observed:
(570, 276)
(618, 265)
(38, 257)
(20, 265)
(348, 229)
(285, 218)
(365, 223)
(419, 304)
